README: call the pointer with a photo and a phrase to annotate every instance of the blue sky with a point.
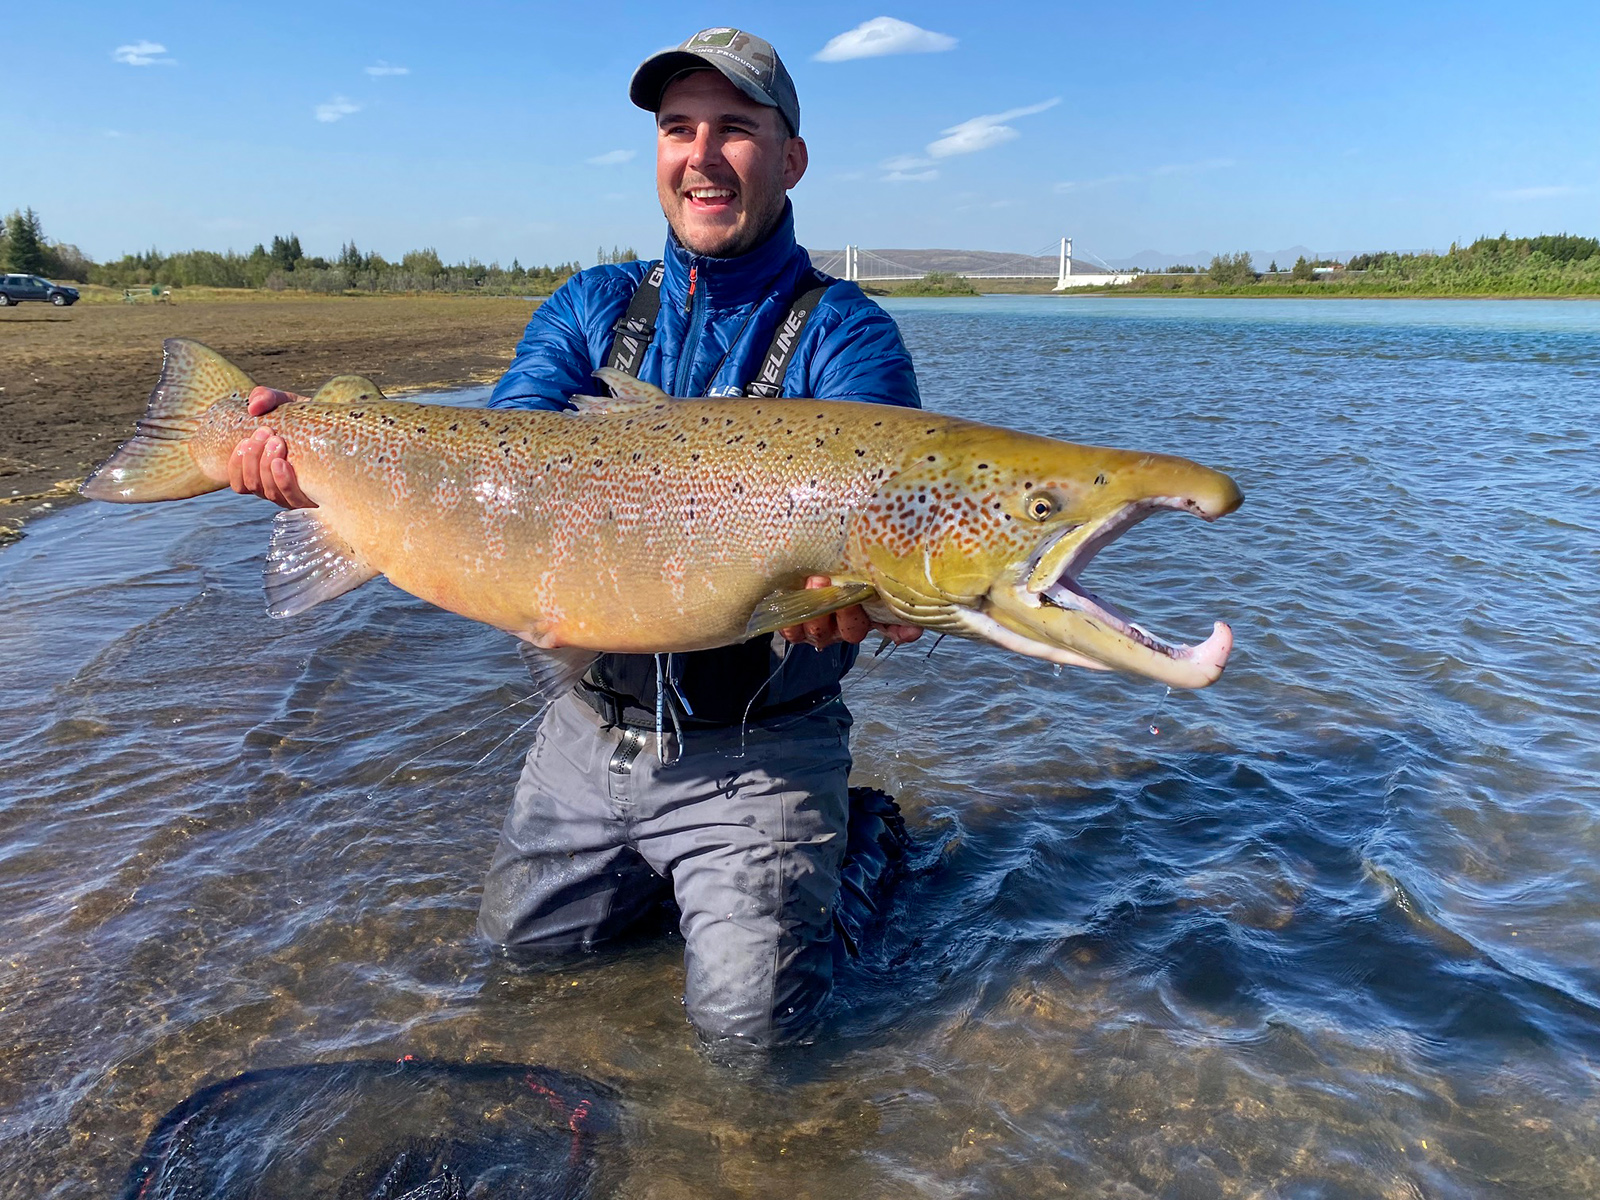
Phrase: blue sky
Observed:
(503, 130)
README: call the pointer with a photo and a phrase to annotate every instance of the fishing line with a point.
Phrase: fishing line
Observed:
(479, 723)
(744, 722)
(1155, 730)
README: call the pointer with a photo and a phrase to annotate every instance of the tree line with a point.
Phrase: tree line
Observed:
(280, 265)
(1550, 264)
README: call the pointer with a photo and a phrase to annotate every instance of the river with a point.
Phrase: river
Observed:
(1327, 929)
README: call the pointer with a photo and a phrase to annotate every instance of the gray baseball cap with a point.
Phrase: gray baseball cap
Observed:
(750, 64)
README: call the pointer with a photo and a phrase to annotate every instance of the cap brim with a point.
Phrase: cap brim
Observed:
(654, 73)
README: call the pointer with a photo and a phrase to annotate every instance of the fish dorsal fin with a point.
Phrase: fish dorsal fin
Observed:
(627, 394)
(347, 389)
(555, 672)
(308, 563)
(792, 606)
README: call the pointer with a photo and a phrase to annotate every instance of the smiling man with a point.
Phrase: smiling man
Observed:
(741, 815)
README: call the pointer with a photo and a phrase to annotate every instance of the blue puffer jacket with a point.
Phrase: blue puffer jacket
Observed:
(711, 343)
(716, 322)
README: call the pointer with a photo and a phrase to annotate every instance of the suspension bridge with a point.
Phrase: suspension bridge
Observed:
(1054, 261)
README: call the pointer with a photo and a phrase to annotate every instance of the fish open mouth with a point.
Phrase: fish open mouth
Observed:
(1052, 578)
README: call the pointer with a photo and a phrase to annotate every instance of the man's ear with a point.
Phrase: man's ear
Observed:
(795, 160)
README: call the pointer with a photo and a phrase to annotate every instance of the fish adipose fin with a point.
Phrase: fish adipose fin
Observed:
(555, 672)
(155, 463)
(308, 563)
(627, 394)
(782, 609)
(347, 389)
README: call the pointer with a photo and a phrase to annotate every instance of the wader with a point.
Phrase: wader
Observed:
(745, 825)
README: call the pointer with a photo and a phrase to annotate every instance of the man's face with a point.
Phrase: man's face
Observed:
(723, 165)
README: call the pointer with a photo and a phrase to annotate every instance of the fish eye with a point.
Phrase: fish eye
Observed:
(1041, 508)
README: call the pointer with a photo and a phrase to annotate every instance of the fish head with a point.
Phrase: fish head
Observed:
(985, 531)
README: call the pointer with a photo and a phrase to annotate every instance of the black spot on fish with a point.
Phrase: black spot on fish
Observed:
(422, 429)
(1100, 480)
(761, 445)
(695, 457)
(860, 453)
(933, 458)
(455, 426)
(983, 466)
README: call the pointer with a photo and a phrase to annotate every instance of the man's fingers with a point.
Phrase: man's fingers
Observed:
(264, 399)
(250, 460)
(900, 634)
(852, 624)
(289, 485)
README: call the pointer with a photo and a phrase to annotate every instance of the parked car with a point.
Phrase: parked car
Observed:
(16, 288)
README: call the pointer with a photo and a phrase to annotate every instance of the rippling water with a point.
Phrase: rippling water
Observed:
(1327, 929)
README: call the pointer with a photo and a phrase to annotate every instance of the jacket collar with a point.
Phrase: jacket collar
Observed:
(730, 282)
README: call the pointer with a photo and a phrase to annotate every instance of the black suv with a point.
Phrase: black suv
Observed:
(16, 288)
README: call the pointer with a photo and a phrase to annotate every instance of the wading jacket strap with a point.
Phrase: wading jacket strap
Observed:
(715, 323)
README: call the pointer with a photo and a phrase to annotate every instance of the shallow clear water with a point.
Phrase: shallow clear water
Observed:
(1327, 929)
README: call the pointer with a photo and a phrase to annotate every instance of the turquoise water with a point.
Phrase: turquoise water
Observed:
(1326, 929)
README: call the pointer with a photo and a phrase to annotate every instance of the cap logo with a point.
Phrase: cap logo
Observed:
(714, 37)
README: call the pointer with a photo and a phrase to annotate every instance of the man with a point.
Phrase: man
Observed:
(741, 811)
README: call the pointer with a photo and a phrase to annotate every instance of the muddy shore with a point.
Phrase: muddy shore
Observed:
(74, 380)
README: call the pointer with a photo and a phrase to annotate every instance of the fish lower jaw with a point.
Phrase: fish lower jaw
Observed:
(1209, 655)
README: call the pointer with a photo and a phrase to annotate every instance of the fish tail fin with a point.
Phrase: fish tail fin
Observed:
(156, 463)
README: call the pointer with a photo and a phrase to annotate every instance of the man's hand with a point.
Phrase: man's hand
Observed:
(259, 465)
(847, 625)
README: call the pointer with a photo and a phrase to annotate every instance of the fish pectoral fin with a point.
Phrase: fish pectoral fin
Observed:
(793, 606)
(627, 394)
(347, 389)
(308, 563)
(555, 672)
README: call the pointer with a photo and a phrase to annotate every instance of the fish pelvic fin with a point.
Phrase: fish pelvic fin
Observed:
(792, 606)
(156, 462)
(347, 389)
(627, 393)
(308, 563)
(555, 672)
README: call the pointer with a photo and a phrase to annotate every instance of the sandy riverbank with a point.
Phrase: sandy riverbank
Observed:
(74, 380)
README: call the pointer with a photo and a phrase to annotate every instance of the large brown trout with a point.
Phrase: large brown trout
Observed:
(645, 524)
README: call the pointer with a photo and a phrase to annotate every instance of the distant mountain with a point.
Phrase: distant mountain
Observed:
(990, 262)
(957, 262)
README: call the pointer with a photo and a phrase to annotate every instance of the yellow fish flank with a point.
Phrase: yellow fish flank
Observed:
(646, 524)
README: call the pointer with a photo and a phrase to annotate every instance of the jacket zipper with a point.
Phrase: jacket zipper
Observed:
(691, 337)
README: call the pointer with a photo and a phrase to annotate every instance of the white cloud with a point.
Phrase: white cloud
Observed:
(611, 158)
(143, 54)
(1209, 164)
(982, 133)
(1538, 193)
(384, 68)
(909, 176)
(337, 109)
(883, 35)
(905, 162)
